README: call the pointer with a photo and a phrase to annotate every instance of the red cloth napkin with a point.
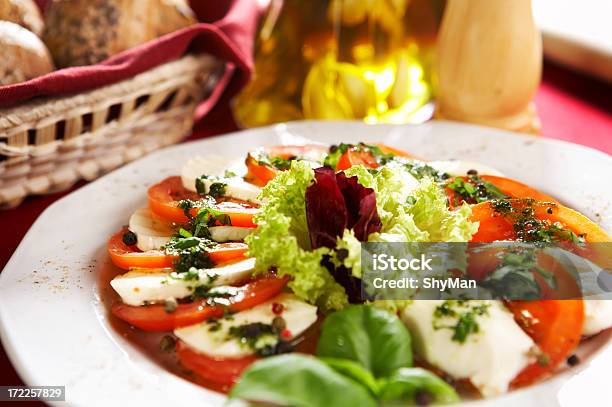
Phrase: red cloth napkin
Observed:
(226, 31)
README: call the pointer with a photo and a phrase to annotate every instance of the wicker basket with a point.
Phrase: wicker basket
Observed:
(47, 145)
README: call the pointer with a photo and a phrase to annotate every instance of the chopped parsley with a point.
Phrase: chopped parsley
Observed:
(420, 170)
(282, 163)
(215, 293)
(217, 189)
(187, 204)
(263, 339)
(192, 246)
(206, 216)
(191, 252)
(474, 190)
(277, 162)
(463, 313)
(193, 241)
(201, 185)
(528, 227)
(502, 206)
(214, 325)
(211, 217)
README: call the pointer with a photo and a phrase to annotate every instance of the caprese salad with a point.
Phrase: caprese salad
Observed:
(252, 269)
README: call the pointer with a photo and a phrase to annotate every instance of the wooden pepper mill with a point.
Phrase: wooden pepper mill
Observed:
(489, 64)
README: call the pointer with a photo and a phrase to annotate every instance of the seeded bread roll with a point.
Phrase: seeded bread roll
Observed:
(24, 56)
(22, 12)
(85, 32)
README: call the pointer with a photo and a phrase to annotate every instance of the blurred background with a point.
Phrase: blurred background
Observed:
(337, 59)
(376, 59)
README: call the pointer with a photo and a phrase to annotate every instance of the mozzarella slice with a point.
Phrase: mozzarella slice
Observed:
(140, 286)
(490, 358)
(297, 314)
(228, 233)
(236, 188)
(460, 168)
(151, 232)
(597, 316)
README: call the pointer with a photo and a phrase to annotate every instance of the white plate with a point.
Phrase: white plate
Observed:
(55, 329)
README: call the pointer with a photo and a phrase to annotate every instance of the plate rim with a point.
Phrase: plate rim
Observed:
(14, 356)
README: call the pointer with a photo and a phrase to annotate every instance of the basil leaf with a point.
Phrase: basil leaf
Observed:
(372, 337)
(299, 381)
(513, 284)
(354, 371)
(408, 384)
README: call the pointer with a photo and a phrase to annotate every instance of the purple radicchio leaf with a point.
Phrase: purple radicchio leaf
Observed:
(334, 203)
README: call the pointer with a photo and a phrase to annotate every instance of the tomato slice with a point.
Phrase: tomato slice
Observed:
(261, 174)
(229, 251)
(223, 371)
(155, 318)
(515, 189)
(495, 226)
(555, 326)
(507, 186)
(129, 257)
(164, 197)
(353, 156)
(258, 174)
(358, 156)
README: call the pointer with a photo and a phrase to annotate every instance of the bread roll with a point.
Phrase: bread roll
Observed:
(24, 56)
(22, 12)
(85, 32)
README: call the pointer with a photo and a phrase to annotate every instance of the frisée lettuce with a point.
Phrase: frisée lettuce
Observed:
(281, 240)
(411, 210)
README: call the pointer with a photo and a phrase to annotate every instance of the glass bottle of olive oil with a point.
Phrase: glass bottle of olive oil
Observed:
(342, 59)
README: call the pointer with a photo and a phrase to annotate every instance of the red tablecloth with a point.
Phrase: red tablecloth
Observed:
(572, 107)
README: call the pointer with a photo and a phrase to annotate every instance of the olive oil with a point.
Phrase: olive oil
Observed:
(342, 59)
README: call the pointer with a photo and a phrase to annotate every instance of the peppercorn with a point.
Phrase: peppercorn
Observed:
(573, 360)
(129, 238)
